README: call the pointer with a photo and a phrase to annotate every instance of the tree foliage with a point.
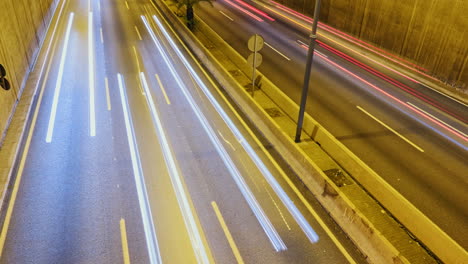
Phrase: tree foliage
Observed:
(189, 4)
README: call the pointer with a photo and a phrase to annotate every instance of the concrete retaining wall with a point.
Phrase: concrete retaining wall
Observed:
(23, 24)
(431, 33)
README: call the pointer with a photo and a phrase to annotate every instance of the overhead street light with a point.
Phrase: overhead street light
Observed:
(310, 57)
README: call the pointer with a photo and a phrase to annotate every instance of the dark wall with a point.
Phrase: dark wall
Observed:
(431, 33)
(22, 28)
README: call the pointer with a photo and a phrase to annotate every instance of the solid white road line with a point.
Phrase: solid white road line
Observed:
(145, 208)
(305, 226)
(461, 133)
(162, 89)
(284, 56)
(123, 238)
(389, 128)
(102, 35)
(276, 165)
(176, 179)
(138, 33)
(226, 15)
(106, 82)
(227, 233)
(19, 174)
(262, 218)
(92, 106)
(58, 84)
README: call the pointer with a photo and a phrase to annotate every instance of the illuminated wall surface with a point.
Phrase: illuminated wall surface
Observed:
(22, 27)
(432, 33)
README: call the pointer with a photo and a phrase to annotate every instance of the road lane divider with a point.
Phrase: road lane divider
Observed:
(227, 233)
(271, 47)
(262, 218)
(389, 128)
(145, 208)
(162, 89)
(19, 174)
(92, 106)
(106, 83)
(432, 116)
(138, 33)
(182, 196)
(297, 215)
(123, 238)
(226, 15)
(58, 84)
(126, 4)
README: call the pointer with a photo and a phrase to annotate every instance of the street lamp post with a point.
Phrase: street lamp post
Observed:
(310, 57)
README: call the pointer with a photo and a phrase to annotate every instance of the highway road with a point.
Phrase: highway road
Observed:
(133, 156)
(416, 140)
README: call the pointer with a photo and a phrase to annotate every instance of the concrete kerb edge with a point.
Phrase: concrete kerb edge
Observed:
(363, 233)
(18, 149)
(413, 219)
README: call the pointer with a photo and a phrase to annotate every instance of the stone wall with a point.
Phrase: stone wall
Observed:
(431, 33)
(23, 24)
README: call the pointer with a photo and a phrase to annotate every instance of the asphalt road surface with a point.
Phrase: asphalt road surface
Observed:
(133, 156)
(416, 141)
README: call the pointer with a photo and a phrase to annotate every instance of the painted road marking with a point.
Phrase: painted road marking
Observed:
(126, 4)
(306, 46)
(123, 237)
(177, 181)
(138, 67)
(226, 15)
(276, 165)
(284, 56)
(269, 229)
(461, 133)
(138, 32)
(146, 217)
(58, 84)
(228, 235)
(92, 106)
(19, 174)
(389, 128)
(102, 35)
(275, 239)
(162, 89)
(106, 82)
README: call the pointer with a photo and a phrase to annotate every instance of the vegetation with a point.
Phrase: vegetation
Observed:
(189, 16)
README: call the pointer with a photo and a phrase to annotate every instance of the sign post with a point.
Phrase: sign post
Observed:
(255, 44)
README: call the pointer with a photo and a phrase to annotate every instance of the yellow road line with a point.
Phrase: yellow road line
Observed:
(106, 81)
(162, 88)
(138, 33)
(126, 3)
(389, 128)
(275, 164)
(123, 236)
(227, 233)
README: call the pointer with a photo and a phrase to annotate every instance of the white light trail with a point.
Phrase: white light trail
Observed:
(267, 226)
(145, 209)
(92, 107)
(300, 219)
(176, 179)
(58, 84)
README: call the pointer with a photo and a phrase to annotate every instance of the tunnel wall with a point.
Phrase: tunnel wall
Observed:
(431, 33)
(23, 25)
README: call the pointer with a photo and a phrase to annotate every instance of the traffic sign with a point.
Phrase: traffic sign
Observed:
(258, 59)
(255, 43)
